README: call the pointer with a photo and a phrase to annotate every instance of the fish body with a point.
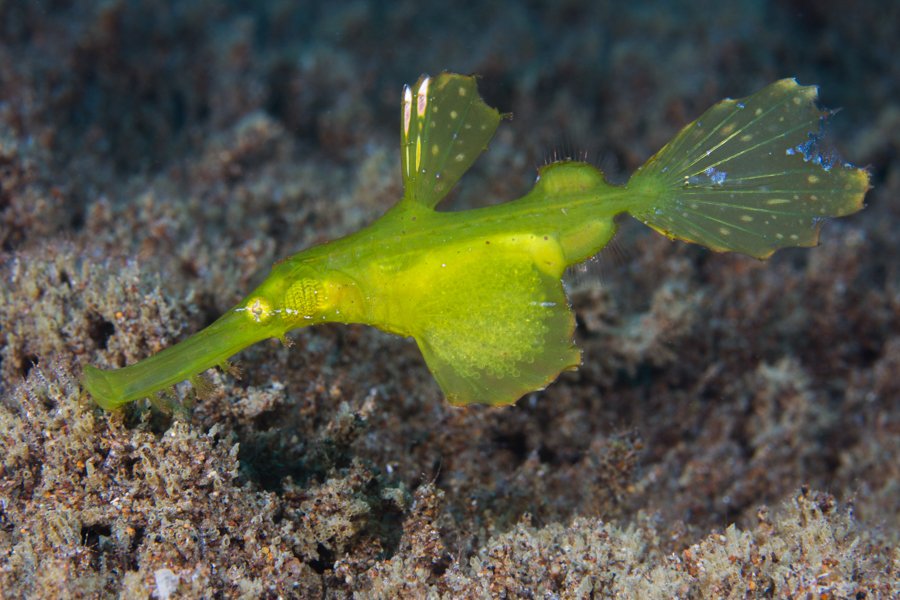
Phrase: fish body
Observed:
(480, 290)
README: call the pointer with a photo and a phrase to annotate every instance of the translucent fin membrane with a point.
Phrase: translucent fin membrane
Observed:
(444, 127)
(748, 176)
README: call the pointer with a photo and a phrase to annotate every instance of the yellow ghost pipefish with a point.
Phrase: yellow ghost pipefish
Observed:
(480, 289)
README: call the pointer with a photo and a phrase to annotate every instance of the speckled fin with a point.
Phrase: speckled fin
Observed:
(509, 335)
(749, 176)
(444, 126)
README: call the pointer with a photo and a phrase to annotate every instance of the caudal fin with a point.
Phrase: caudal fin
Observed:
(749, 176)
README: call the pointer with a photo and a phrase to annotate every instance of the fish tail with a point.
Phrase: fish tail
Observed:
(749, 176)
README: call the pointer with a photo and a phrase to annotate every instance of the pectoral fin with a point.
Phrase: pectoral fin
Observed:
(493, 336)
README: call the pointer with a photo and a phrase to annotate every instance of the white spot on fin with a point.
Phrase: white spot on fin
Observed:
(422, 97)
(407, 110)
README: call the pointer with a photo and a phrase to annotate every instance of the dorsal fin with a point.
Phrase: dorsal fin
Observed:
(444, 126)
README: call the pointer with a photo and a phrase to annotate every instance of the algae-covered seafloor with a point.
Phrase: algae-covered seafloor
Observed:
(733, 431)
